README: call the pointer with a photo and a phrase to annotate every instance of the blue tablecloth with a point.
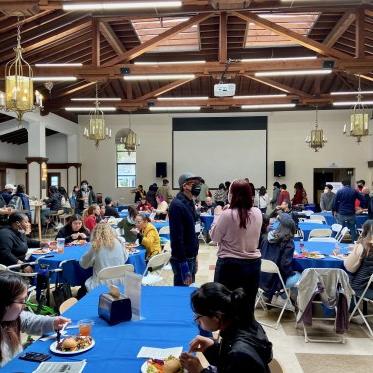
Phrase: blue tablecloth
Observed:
(325, 248)
(207, 221)
(160, 224)
(122, 207)
(360, 219)
(310, 206)
(123, 213)
(73, 273)
(167, 322)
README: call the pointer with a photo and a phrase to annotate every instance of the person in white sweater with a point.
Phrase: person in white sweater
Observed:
(14, 320)
(106, 251)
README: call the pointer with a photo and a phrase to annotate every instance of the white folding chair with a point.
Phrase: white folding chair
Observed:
(317, 218)
(323, 239)
(336, 228)
(309, 221)
(68, 303)
(114, 274)
(153, 270)
(342, 234)
(320, 233)
(307, 212)
(199, 231)
(267, 266)
(359, 299)
(164, 230)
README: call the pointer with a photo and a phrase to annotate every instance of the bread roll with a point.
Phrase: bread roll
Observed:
(172, 366)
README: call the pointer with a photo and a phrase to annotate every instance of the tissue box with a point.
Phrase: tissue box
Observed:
(114, 310)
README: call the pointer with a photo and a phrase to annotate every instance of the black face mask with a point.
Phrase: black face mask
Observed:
(196, 190)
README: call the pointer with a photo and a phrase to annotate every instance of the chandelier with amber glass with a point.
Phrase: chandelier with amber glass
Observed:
(316, 140)
(97, 130)
(359, 119)
(19, 89)
(128, 138)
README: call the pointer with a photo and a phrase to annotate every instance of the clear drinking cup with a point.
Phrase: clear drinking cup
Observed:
(60, 245)
(85, 327)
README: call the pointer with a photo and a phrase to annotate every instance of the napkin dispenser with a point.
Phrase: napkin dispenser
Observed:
(114, 309)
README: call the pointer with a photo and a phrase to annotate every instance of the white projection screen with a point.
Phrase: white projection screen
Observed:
(221, 149)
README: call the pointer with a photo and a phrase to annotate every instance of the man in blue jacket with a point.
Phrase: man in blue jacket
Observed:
(184, 241)
(344, 207)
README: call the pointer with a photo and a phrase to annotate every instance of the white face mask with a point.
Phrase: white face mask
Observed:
(326, 190)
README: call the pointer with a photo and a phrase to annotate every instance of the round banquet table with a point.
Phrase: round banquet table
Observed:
(360, 218)
(207, 221)
(325, 248)
(73, 273)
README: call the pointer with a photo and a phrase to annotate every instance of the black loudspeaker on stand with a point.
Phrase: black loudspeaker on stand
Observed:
(279, 168)
(161, 169)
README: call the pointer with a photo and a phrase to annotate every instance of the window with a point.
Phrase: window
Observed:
(126, 168)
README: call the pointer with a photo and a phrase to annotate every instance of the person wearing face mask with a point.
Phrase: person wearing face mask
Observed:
(184, 242)
(13, 241)
(84, 198)
(127, 224)
(14, 320)
(327, 198)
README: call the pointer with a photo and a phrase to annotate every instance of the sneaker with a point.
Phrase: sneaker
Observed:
(280, 302)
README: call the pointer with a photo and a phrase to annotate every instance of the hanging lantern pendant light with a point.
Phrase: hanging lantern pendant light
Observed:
(316, 140)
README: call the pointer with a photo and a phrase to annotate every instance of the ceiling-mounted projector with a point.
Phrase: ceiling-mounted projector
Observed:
(224, 89)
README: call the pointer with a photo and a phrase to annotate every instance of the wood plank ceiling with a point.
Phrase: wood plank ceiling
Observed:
(339, 31)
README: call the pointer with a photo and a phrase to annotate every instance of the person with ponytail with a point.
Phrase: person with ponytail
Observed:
(243, 346)
(14, 320)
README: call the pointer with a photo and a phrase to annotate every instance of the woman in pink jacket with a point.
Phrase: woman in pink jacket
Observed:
(237, 232)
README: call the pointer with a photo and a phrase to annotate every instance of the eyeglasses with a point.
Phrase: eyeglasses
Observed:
(196, 317)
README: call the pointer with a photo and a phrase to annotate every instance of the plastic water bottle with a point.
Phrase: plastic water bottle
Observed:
(301, 246)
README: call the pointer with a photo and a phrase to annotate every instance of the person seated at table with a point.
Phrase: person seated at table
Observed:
(144, 206)
(360, 261)
(109, 209)
(150, 195)
(278, 247)
(127, 224)
(162, 207)
(14, 320)
(140, 194)
(361, 207)
(13, 241)
(208, 207)
(243, 344)
(90, 220)
(147, 235)
(327, 198)
(73, 230)
(106, 251)
(54, 202)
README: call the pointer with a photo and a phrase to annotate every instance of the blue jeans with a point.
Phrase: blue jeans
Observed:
(175, 264)
(348, 221)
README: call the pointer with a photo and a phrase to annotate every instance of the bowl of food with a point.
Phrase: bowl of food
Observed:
(72, 345)
(169, 365)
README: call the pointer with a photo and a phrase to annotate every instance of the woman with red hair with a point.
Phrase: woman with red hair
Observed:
(237, 232)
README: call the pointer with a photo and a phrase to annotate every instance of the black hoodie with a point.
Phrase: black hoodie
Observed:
(241, 350)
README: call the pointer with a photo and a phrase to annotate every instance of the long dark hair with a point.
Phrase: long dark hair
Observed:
(20, 189)
(11, 287)
(242, 200)
(214, 299)
(73, 218)
(366, 237)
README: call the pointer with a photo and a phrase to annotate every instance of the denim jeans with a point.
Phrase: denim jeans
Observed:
(175, 264)
(239, 273)
(348, 221)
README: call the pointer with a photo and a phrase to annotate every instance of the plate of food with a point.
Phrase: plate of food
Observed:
(314, 255)
(41, 251)
(72, 345)
(169, 365)
(77, 242)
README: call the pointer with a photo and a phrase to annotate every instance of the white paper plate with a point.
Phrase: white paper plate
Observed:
(53, 348)
(144, 367)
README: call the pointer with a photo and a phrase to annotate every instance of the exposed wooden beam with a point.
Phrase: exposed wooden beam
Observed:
(74, 90)
(96, 45)
(51, 39)
(223, 38)
(340, 28)
(154, 42)
(281, 87)
(291, 35)
(129, 93)
(360, 33)
(166, 88)
(112, 38)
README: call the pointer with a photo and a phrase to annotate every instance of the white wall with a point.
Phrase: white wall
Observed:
(286, 134)
(13, 153)
(56, 148)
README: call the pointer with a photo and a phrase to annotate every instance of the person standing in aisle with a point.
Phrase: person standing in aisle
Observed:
(184, 241)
